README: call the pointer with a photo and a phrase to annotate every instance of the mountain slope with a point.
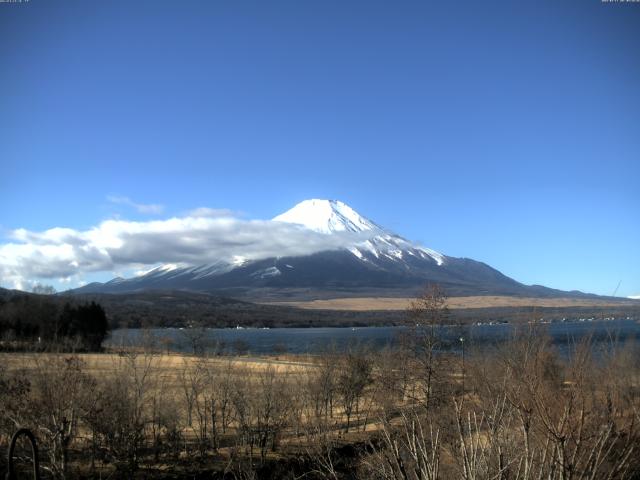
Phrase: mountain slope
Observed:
(372, 260)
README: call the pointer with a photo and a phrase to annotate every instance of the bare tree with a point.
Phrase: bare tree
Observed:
(321, 386)
(122, 408)
(534, 419)
(410, 450)
(271, 407)
(225, 384)
(428, 314)
(196, 336)
(50, 405)
(354, 375)
(322, 449)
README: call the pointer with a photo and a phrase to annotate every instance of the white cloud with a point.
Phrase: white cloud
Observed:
(151, 208)
(634, 297)
(136, 246)
(210, 212)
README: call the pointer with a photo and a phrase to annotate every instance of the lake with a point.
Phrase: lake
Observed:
(317, 340)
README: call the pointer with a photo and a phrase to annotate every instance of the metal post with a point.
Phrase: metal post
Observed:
(11, 474)
(462, 342)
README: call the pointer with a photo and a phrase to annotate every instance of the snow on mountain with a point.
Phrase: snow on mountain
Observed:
(161, 270)
(327, 216)
(208, 270)
(634, 297)
(360, 257)
(266, 273)
(331, 216)
(369, 254)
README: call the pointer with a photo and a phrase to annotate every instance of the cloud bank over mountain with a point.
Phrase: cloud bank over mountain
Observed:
(199, 237)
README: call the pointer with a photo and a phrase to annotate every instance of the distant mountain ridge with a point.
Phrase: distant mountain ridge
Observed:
(377, 261)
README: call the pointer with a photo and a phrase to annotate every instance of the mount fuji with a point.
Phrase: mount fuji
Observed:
(374, 261)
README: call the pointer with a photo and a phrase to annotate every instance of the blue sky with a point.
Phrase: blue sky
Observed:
(507, 132)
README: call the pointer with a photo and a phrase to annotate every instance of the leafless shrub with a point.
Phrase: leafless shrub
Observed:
(121, 409)
(410, 450)
(321, 447)
(534, 419)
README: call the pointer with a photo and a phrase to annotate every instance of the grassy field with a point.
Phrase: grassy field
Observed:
(99, 364)
(271, 403)
(146, 414)
(379, 303)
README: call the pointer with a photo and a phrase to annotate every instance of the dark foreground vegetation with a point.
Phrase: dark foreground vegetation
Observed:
(40, 321)
(516, 411)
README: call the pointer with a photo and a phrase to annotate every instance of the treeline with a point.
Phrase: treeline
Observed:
(161, 309)
(40, 321)
(185, 309)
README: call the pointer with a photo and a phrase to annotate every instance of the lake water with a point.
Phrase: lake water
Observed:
(317, 340)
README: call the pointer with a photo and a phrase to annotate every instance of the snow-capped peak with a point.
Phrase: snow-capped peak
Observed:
(327, 216)
(331, 216)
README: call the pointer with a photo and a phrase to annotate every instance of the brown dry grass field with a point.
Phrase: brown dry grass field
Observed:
(380, 303)
(278, 415)
(167, 366)
(169, 373)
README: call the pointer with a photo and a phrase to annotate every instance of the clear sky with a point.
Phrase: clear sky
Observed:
(507, 132)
